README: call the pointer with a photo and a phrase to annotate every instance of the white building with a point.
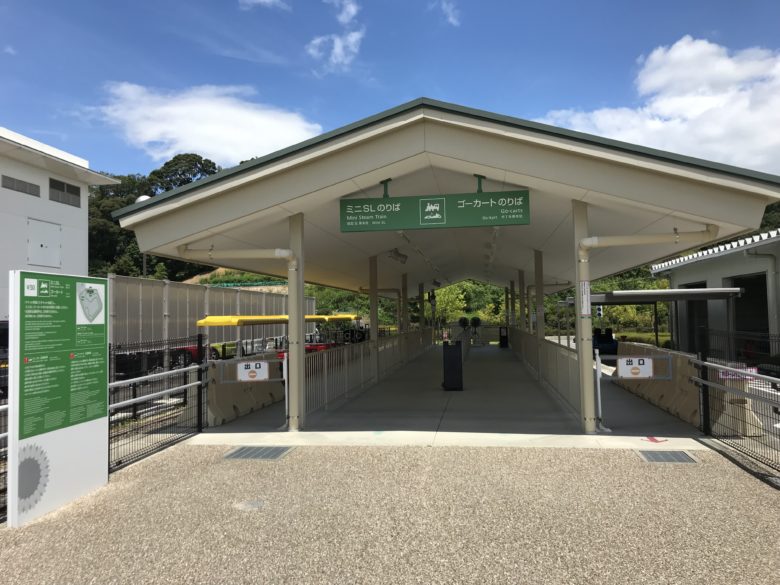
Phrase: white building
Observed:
(749, 263)
(44, 210)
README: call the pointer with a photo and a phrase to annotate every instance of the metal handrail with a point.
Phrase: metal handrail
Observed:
(3, 408)
(732, 390)
(152, 396)
(150, 377)
(742, 371)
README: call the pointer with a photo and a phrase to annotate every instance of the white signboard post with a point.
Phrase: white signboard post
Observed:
(635, 367)
(58, 391)
(585, 298)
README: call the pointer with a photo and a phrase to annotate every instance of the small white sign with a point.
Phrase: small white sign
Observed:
(31, 287)
(252, 371)
(635, 367)
(727, 375)
(585, 298)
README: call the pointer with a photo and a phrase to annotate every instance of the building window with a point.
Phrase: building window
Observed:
(21, 186)
(64, 193)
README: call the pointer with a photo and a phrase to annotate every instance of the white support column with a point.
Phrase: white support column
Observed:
(583, 323)
(539, 282)
(403, 325)
(404, 304)
(296, 306)
(421, 300)
(166, 333)
(512, 304)
(521, 293)
(373, 315)
(506, 306)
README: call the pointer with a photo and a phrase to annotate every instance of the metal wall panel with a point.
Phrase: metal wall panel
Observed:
(151, 310)
(185, 306)
(138, 310)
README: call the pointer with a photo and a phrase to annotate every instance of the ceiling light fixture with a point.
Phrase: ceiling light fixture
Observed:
(398, 256)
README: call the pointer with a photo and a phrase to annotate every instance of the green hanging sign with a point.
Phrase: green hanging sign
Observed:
(435, 211)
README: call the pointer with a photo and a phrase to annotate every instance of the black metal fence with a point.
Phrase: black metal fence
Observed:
(750, 348)
(157, 397)
(740, 406)
(3, 452)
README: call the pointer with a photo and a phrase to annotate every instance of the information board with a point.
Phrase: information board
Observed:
(58, 382)
(435, 211)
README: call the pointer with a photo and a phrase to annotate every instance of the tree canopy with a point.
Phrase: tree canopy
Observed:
(115, 250)
(181, 170)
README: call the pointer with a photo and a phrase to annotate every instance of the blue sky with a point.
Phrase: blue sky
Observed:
(128, 84)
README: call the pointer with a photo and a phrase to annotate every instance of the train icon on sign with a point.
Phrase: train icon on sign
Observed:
(433, 211)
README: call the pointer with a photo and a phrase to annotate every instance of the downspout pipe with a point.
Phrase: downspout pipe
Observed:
(584, 341)
(593, 242)
(296, 379)
(262, 254)
(532, 287)
(771, 285)
(395, 291)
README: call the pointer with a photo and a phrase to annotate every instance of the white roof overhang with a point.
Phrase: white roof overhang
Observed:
(57, 162)
(437, 150)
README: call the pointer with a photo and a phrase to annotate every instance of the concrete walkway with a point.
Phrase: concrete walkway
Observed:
(365, 515)
(400, 513)
(501, 405)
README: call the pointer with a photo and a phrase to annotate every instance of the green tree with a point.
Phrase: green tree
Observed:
(450, 304)
(160, 272)
(181, 170)
(107, 241)
(114, 249)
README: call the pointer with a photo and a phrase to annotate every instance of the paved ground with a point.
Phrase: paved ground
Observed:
(501, 405)
(409, 515)
(425, 487)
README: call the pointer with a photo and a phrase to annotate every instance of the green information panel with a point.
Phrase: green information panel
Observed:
(435, 211)
(63, 352)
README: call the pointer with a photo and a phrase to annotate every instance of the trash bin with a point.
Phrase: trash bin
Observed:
(503, 337)
(453, 366)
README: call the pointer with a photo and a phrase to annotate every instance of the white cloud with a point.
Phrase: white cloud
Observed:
(451, 12)
(219, 122)
(9, 50)
(338, 51)
(348, 10)
(698, 98)
(249, 4)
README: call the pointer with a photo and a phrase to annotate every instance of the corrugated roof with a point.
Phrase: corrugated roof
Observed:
(719, 250)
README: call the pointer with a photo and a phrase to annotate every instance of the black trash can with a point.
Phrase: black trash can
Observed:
(503, 337)
(453, 366)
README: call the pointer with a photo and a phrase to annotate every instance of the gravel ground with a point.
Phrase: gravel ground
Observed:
(409, 515)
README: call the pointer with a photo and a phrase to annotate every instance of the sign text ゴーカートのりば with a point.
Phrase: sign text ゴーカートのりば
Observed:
(435, 211)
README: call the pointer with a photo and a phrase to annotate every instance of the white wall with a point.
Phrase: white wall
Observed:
(15, 210)
(717, 272)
